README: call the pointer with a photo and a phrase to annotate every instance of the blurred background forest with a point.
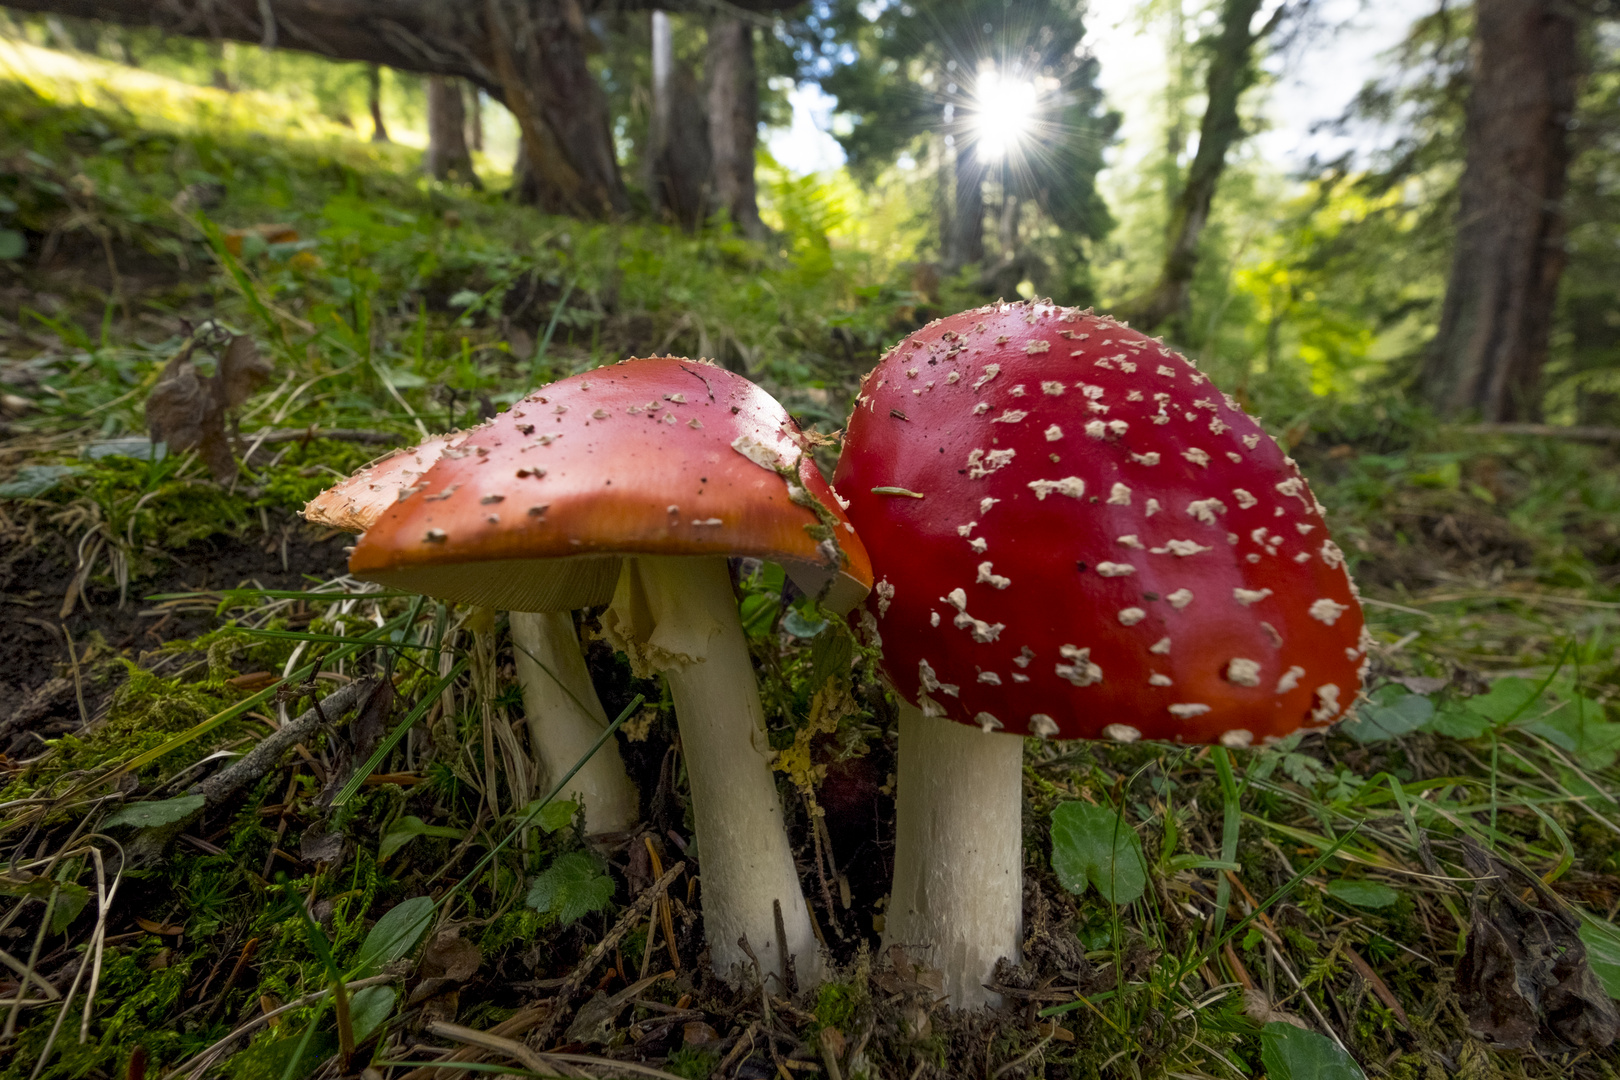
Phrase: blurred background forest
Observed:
(1331, 199)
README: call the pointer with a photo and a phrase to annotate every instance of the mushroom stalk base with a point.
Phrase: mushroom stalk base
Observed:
(957, 899)
(566, 718)
(677, 615)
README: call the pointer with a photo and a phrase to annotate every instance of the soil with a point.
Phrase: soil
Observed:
(37, 693)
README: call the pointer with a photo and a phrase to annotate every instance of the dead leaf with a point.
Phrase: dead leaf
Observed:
(253, 680)
(187, 410)
(1523, 979)
(171, 930)
(1258, 1006)
(450, 956)
(698, 1033)
(322, 848)
(367, 728)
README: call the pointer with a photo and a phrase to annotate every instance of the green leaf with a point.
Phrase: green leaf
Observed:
(369, 1006)
(758, 614)
(1509, 698)
(1094, 845)
(552, 816)
(801, 626)
(408, 828)
(149, 815)
(1367, 894)
(1292, 1053)
(1580, 727)
(394, 935)
(32, 481)
(1458, 721)
(1602, 940)
(70, 900)
(830, 656)
(1401, 715)
(138, 447)
(13, 244)
(571, 888)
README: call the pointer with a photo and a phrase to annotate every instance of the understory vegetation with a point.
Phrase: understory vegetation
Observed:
(396, 880)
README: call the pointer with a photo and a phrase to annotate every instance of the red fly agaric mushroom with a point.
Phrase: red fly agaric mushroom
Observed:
(565, 716)
(633, 483)
(1077, 536)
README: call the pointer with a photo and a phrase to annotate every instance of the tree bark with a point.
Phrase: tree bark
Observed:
(447, 155)
(475, 118)
(679, 168)
(531, 54)
(1231, 71)
(379, 130)
(965, 244)
(1487, 356)
(734, 120)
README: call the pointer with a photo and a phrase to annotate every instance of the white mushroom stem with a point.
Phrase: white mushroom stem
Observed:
(566, 718)
(957, 899)
(677, 615)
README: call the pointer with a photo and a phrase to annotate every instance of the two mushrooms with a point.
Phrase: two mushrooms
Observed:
(1072, 534)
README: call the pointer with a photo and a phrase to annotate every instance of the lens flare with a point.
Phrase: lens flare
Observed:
(1003, 114)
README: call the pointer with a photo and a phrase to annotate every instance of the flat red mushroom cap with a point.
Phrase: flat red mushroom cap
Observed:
(1075, 535)
(532, 510)
(353, 504)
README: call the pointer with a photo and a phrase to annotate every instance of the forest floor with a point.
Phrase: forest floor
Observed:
(1409, 892)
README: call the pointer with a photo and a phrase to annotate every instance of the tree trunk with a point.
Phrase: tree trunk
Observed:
(475, 118)
(1231, 71)
(532, 53)
(1487, 355)
(965, 244)
(379, 131)
(734, 120)
(678, 162)
(539, 54)
(447, 156)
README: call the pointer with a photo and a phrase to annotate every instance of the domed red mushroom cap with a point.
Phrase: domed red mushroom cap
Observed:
(1075, 535)
(664, 456)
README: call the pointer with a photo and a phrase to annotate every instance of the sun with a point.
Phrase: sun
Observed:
(1003, 114)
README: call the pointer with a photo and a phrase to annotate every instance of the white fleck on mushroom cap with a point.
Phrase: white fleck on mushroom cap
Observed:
(1131, 554)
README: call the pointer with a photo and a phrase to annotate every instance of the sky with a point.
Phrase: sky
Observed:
(1313, 83)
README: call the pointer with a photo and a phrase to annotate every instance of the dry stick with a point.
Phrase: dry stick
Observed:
(104, 898)
(497, 1044)
(1378, 985)
(576, 979)
(739, 1050)
(512, 1027)
(33, 961)
(258, 761)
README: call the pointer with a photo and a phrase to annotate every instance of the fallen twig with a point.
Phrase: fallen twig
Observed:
(258, 761)
(576, 979)
(513, 1027)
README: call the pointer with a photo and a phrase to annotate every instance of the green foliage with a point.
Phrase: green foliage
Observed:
(1093, 845)
(394, 935)
(571, 888)
(692, 1062)
(1292, 1053)
(1366, 894)
(147, 815)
